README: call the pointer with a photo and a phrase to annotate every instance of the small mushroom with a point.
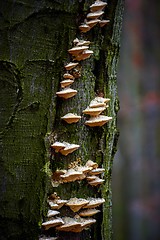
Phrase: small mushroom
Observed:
(83, 43)
(89, 212)
(94, 15)
(84, 55)
(84, 28)
(69, 148)
(97, 181)
(57, 203)
(94, 202)
(71, 118)
(91, 178)
(77, 50)
(52, 223)
(66, 83)
(92, 164)
(67, 93)
(97, 171)
(70, 225)
(93, 22)
(85, 223)
(84, 169)
(76, 204)
(71, 65)
(102, 23)
(99, 102)
(68, 76)
(71, 175)
(56, 176)
(94, 111)
(52, 213)
(98, 121)
(57, 146)
(97, 6)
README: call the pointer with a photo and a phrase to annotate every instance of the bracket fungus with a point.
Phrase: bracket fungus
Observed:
(69, 148)
(52, 223)
(102, 23)
(94, 15)
(76, 204)
(71, 65)
(84, 28)
(94, 111)
(99, 102)
(92, 164)
(89, 212)
(97, 6)
(94, 202)
(98, 121)
(71, 118)
(97, 171)
(77, 50)
(66, 83)
(52, 213)
(97, 181)
(81, 42)
(56, 203)
(68, 76)
(93, 22)
(66, 93)
(84, 55)
(71, 175)
(70, 225)
(58, 146)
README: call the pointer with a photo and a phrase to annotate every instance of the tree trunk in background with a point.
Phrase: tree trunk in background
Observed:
(35, 37)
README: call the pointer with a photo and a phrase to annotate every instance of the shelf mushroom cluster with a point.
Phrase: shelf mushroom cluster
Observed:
(90, 171)
(82, 209)
(93, 17)
(95, 108)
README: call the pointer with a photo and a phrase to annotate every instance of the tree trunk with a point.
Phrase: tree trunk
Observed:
(35, 37)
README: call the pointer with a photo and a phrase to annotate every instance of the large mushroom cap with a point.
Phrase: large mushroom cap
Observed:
(52, 223)
(67, 93)
(89, 212)
(71, 118)
(72, 175)
(57, 146)
(69, 149)
(94, 202)
(76, 204)
(94, 15)
(98, 121)
(97, 6)
(94, 111)
(77, 50)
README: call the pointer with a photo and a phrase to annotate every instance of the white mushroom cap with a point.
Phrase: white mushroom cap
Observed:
(70, 225)
(71, 175)
(52, 213)
(98, 121)
(94, 202)
(52, 223)
(77, 50)
(76, 204)
(69, 149)
(67, 93)
(94, 111)
(71, 118)
(57, 146)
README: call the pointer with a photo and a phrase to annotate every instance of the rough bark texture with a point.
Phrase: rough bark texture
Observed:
(35, 37)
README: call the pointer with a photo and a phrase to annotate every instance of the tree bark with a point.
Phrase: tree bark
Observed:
(35, 37)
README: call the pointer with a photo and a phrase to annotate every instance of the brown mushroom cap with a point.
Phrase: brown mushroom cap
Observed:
(84, 28)
(92, 164)
(84, 55)
(57, 146)
(76, 204)
(67, 93)
(89, 212)
(93, 22)
(94, 202)
(83, 43)
(98, 121)
(84, 169)
(57, 203)
(71, 65)
(85, 222)
(52, 223)
(94, 111)
(77, 50)
(71, 118)
(102, 23)
(70, 225)
(91, 178)
(97, 6)
(69, 149)
(68, 76)
(72, 175)
(94, 15)
(99, 102)
(66, 83)
(97, 181)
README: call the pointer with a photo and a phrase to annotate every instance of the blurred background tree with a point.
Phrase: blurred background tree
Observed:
(136, 185)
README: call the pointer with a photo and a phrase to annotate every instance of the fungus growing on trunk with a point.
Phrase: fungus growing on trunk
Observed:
(67, 93)
(94, 15)
(52, 223)
(97, 6)
(94, 111)
(76, 204)
(71, 118)
(94, 202)
(66, 83)
(98, 121)
(71, 65)
(89, 212)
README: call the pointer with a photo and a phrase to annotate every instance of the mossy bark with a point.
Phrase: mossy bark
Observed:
(35, 37)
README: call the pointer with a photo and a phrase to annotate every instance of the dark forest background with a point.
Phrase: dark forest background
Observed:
(136, 171)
